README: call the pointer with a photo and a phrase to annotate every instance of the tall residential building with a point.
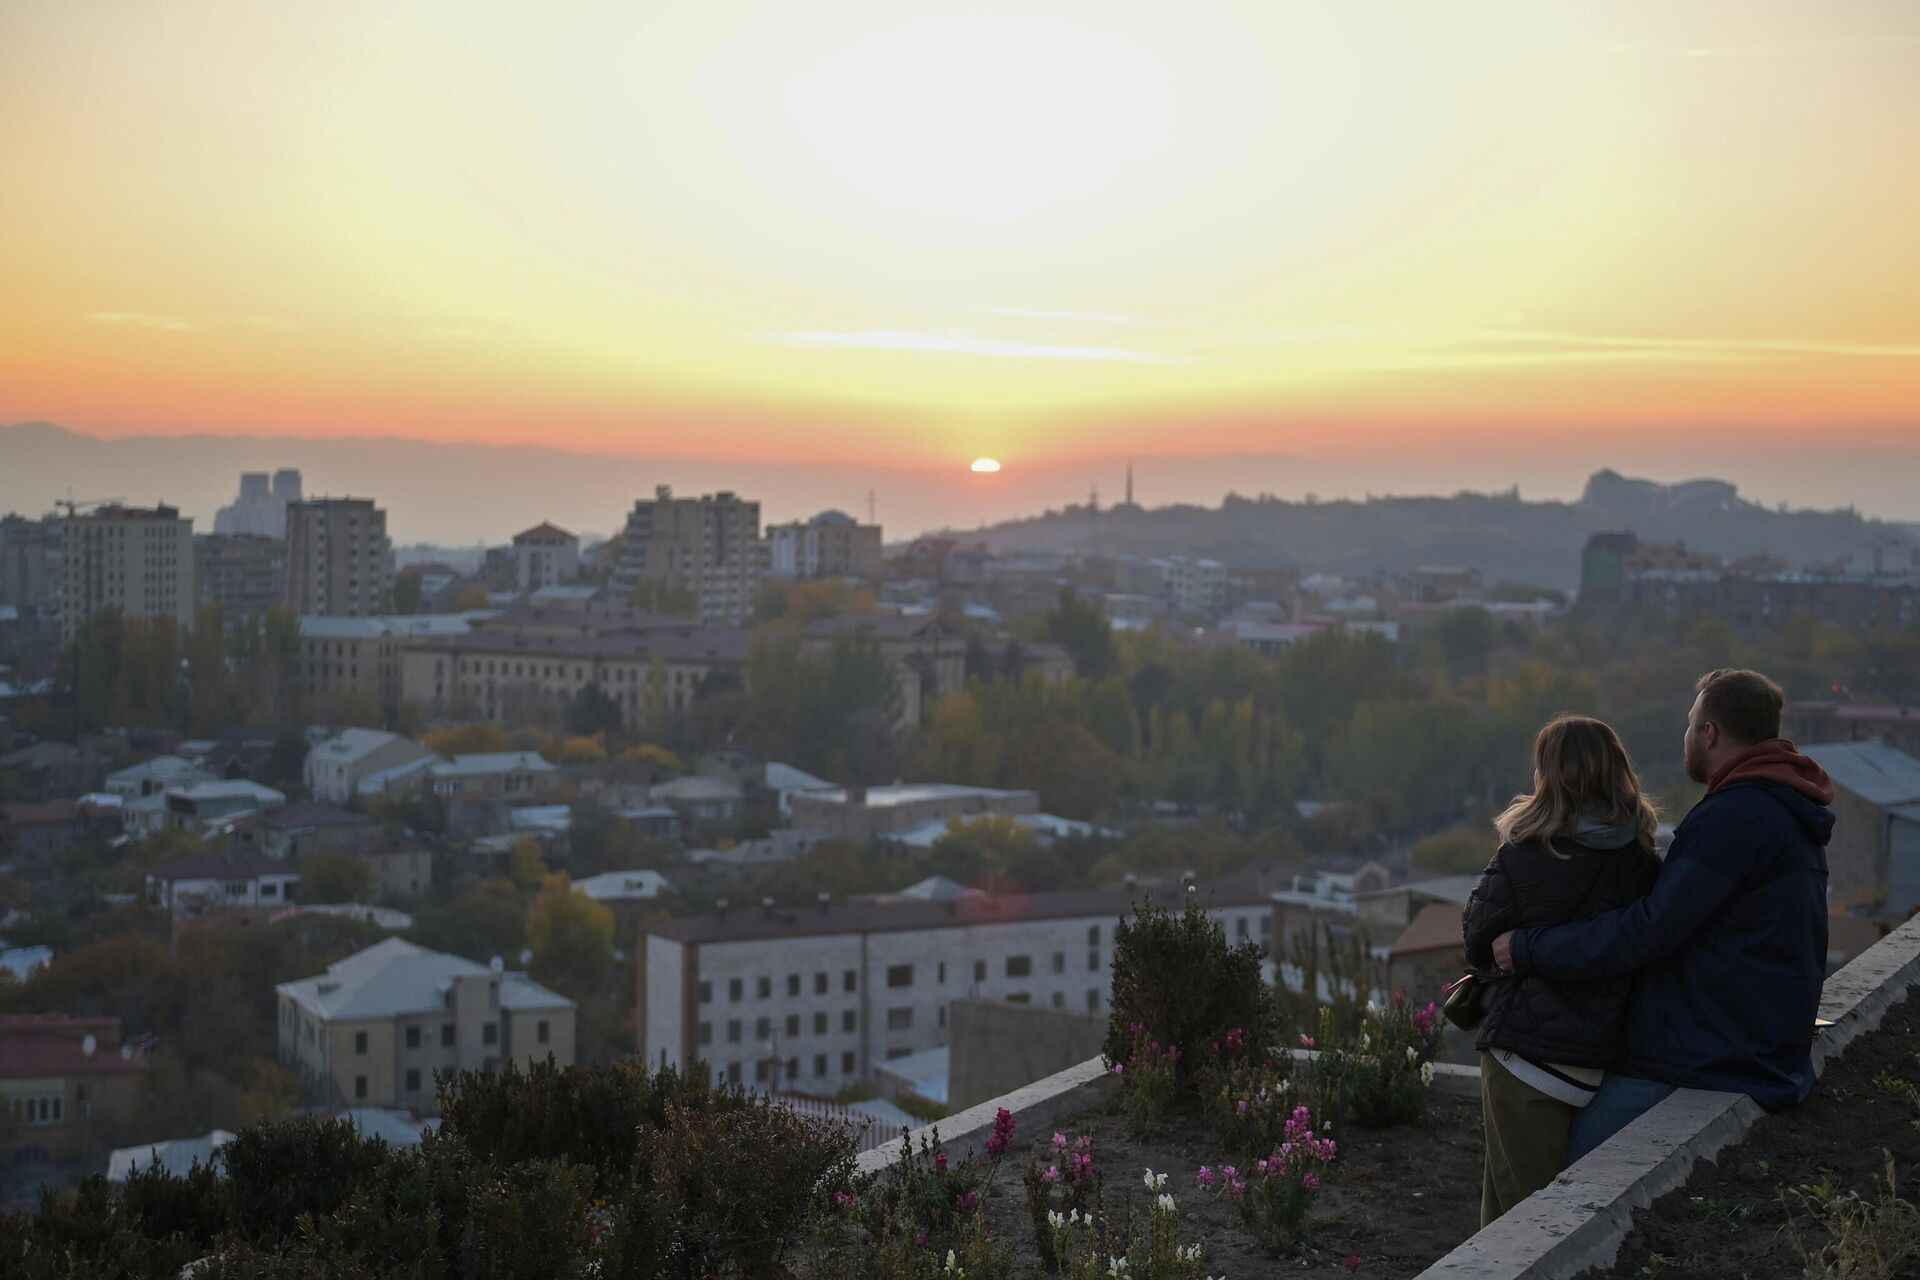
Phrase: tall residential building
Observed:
(138, 560)
(30, 565)
(261, 508)
(831, 545)
(339, 562)
(709, 545)
(243, 573)
(545, 556)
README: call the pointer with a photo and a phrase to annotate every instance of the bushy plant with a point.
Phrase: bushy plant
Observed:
(1062, 1179)
(1176, 976)
(1276, 1194)
(1149, 1081)
(277, 1172)
(1383, 1075)
(1251, 1101)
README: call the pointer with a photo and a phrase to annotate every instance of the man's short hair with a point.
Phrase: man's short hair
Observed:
(1744, 704)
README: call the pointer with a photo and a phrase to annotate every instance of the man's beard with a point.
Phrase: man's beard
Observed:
(1696, 765)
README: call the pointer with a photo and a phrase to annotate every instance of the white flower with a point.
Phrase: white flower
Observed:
(953, 1265)
(1054, 1219)
(1165, 1202)
(1365, 1040)
(1116, 1267)
(1413, 1054)
(1189, 1253)
(1074, 1217)
(1426, 1073)
(1148, 1179)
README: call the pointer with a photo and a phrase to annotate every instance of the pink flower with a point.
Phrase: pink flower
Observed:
(1237, 1188)
(1241, 1106)
(1059, 1142)
(1354, 1262)
(1084, 1142)
(842, 1198)
(1119, 1068)
(1204, 1177)
(921, 1238)
(939, 1162)
(1310, 1180)
(966, 1201)
(1306, 1041)
(1052, 1174)
(1002, 1134)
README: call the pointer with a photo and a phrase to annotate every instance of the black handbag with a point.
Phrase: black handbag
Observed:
(1465, 1001)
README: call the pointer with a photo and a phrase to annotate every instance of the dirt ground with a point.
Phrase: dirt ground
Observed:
(1740, 1219)
(1398, 1198)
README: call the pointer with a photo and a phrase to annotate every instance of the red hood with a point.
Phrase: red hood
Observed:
(1775, 760)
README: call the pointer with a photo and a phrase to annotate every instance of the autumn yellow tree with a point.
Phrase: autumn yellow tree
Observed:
(571, 937)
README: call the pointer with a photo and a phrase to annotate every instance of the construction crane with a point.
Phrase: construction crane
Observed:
(68, 507)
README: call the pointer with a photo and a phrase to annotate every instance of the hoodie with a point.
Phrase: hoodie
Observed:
(1729, 951)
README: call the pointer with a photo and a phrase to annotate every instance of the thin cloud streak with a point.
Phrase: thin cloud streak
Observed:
(140, 320)
(965, 345)
(1470, 348)
(1081, 317)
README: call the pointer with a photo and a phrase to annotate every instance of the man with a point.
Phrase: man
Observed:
(1730, 948)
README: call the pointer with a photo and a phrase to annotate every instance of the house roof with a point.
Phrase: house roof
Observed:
(682, 643)
(175, 1155)
(914, 793)
(158, 767)
(546, 529)
(350, 745)
(54, 1044)
(318, 814)
(868, 915)
(230, 789)
(881, 626)
(694, 789)
(222, 866)
(1455, 889)
(623, 886)
(1436, 928)
(379, 780)
(394, 976)
(925, 1072)
(484, 763)
(785, 777)
(44, 813)
(1874, 771)
(340, 627)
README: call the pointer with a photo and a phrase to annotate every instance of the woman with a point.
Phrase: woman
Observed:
(1581, 845)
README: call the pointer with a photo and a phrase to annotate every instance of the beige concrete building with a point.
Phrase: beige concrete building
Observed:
(339, 562)
(68, 1088)
(342, 657)
(374, 1028)
(709, 545)
(138, 560)
(545, 556)
(510, 675)
(831, 545)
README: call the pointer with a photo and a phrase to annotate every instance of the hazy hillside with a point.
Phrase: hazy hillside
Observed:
(1506, 538)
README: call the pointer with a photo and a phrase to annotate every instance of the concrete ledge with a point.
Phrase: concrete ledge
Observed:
(1039, 1105)
(1457, 1081)
(1577, 1223)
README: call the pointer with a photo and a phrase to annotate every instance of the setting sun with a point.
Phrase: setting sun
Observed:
(985, 465)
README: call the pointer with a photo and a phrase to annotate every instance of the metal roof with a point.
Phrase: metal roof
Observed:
(1874, 771)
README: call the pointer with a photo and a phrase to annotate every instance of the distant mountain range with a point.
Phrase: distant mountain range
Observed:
(1506, 538)
(468, 494)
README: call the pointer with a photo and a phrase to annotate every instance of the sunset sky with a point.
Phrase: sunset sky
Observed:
(916, 232)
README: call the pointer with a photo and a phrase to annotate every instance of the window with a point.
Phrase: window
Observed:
(1093, 935)
(762, 1028)
(1093, 962)
(765, 988)
(702, 1033)
(760, 1071)
(819, 1065)
(793, 1024)
(849, 1020)
(901, 1052)
(706, 993)
(1059, 1000)
(793, 984)
(979, 970)
(850, 981)
(540, 1031)
(359, 1086)
(413, 1080)
(1059, 962)
(1019, 966)
(733, 989)
(1019, 997)
(846, 1063)
(1093, 1000)
(900, 975)
(733, 1073)
(943, 1017)
(819, 1024)
(820, 983)
(940, 974)
(360, 1043)
(733, 1031)
(1240, 927)
(446, 1035)
(900, 1019)
(793, 1069)
(413, 1037)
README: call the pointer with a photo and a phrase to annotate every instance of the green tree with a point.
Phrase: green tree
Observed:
(487, 920)
(1076, 774)
(592, 711)
(1081, 625)
(406, 591)
(662, 595)
(525, 866)
(1458, 851)
(333, 876)
(571, 937)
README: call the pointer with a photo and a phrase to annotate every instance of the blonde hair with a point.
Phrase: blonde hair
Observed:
(1580, 770)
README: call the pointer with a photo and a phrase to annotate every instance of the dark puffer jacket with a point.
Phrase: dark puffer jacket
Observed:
(1578, 1024)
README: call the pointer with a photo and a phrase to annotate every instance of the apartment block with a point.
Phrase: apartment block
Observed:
(244, 573)
(1196, 585)
(69, 1088)
(708, 545)
(339, 562)
(831, 545)
(545, 556)
(815, 998)
(374, 1028)
(342, 657)
(138, 560)
(260, 509)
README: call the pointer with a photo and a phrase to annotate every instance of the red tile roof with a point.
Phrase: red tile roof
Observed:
(23, 815)
(34, 1045)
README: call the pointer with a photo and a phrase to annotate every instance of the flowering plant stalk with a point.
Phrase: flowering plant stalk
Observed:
(1063, 1179)
(1275, 1195)
(1090, 1248)
(1383, 1075)
(1149, 1079)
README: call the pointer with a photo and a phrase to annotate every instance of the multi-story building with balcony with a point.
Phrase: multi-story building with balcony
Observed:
(709, 546)
(244, 573)
(831, 545)
(138, 560)
(339, 562)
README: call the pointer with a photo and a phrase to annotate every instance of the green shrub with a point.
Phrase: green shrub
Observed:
(277, 1172)
(1177, 981)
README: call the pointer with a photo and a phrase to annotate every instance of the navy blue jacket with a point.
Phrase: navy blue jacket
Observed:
(1729, 951)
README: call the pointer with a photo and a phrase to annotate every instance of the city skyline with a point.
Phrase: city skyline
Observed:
(835, 233)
